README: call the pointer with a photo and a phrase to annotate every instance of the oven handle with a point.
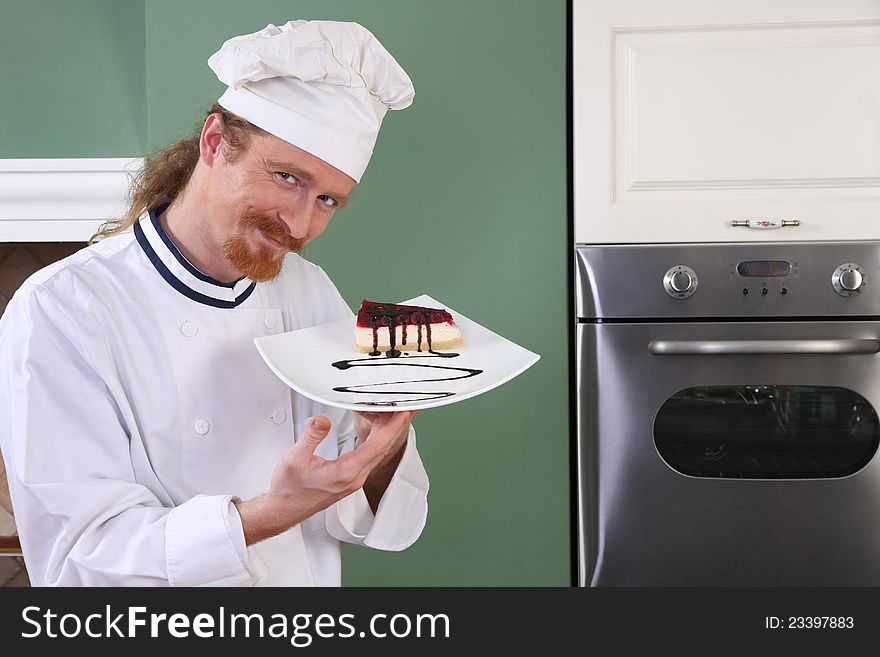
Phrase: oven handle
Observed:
(720, 347)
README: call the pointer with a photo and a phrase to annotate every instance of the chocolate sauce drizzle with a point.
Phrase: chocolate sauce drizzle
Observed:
(393, 318)
(369, 362)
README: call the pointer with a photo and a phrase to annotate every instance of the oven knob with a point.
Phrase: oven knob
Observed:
(680, 282)
(847, 279)
(851, 280)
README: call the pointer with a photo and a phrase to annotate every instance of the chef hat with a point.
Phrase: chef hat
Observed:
(323, 86)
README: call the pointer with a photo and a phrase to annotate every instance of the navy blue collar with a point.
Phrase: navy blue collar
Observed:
(180, 273)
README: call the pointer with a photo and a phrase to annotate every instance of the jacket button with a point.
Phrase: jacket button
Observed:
(189, 329)
(201, 426)
(270, 322)
(280, 417)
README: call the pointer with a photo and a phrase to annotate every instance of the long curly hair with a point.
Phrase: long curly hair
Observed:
(166, 173)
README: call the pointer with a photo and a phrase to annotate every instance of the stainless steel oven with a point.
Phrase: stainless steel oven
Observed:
(728, 399)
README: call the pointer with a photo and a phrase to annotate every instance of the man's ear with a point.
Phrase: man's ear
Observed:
(211, 139)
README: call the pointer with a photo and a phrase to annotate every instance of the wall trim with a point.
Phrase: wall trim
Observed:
(61, 199)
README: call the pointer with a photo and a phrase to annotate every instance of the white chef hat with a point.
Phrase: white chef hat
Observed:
(323, 86)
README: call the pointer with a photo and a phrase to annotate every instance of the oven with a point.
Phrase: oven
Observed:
(728, 399)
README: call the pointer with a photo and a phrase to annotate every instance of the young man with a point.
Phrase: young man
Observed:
(146, 442)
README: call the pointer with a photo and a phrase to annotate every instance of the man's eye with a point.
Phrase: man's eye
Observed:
(285, 176)
(329, 201)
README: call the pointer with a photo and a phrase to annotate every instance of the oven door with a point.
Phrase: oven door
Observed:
(729, 454)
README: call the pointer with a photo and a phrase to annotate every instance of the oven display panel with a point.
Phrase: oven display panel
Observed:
(763, 268)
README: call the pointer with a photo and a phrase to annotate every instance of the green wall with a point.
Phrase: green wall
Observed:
(72, 78)
(466, 194)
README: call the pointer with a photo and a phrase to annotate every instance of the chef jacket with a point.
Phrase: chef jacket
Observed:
(134, 406)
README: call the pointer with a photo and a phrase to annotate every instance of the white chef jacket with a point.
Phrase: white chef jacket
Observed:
(134, 405)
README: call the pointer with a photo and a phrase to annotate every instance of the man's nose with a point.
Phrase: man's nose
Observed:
(298, 218)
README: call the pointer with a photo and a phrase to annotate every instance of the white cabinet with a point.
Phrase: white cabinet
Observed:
(694, 113)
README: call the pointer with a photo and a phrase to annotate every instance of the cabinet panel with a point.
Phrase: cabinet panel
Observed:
(686, 122)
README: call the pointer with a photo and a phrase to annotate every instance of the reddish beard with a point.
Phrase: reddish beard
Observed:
(261, 262)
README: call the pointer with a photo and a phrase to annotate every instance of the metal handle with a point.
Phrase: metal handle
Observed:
(765, 223)
(721, 347)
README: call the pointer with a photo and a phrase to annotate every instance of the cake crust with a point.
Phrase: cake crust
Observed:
(411, 346)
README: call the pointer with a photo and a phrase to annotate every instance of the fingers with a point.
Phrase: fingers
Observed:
(384, 430)
(390, 423)
(316, 430)
(374, 415)
(382, 435)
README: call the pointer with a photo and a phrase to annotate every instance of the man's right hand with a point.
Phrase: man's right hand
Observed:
(303, 483)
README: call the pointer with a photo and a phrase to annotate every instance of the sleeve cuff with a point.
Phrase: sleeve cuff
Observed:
(204, 544)
(402, 512)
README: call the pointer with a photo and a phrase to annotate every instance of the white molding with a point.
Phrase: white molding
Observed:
(61, 200)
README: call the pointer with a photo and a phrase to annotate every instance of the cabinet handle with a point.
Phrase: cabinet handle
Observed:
(765, 224)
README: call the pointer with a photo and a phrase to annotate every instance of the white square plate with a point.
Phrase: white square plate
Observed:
(305, 359)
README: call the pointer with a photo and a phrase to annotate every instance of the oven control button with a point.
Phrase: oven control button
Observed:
(851, 280)
(680, 282)
(847, 280)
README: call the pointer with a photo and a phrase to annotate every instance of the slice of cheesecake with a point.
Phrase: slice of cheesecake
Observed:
(392, 328)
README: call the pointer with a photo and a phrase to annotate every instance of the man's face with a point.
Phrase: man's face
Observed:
(273, 198)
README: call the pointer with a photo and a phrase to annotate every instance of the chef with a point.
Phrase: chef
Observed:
(146, 442)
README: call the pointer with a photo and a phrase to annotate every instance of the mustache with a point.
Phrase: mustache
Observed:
(275, 229)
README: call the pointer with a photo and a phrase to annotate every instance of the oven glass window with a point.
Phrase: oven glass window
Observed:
(766, 432)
